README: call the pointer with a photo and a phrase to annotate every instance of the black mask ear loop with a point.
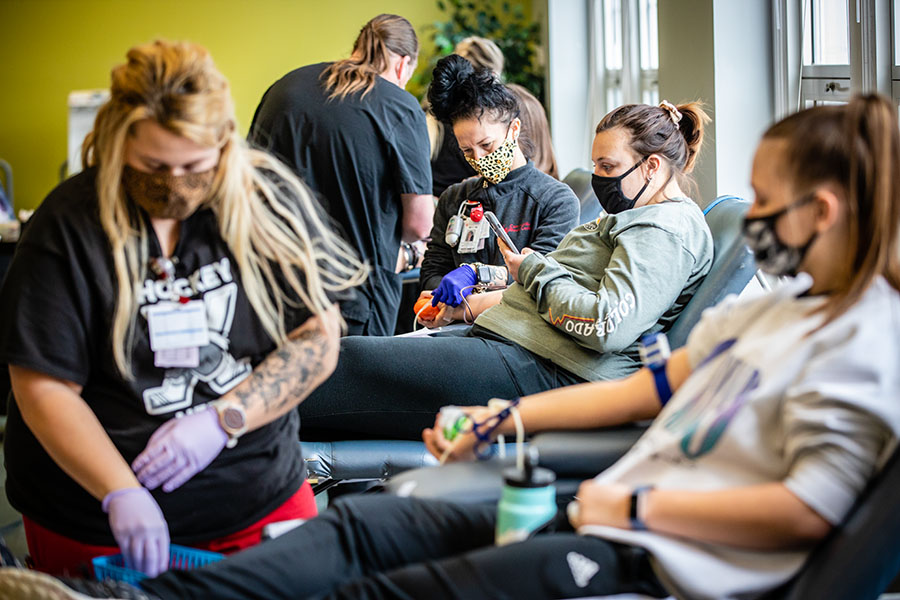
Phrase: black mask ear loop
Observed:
(646, 183)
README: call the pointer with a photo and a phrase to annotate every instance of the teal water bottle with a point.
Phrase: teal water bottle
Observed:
(528, 502)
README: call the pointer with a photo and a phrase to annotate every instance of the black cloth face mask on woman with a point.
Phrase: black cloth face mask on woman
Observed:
(773, 255)
(609, 190)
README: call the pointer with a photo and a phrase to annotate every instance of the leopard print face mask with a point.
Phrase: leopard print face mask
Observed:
(496, 165)
(167, 196)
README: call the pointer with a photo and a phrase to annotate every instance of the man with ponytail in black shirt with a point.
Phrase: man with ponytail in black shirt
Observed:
(358, 139)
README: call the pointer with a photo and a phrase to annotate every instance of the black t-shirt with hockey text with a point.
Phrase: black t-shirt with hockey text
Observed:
(57, 306)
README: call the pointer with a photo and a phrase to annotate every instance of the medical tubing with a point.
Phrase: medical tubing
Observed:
(466, 303)
(486, 428)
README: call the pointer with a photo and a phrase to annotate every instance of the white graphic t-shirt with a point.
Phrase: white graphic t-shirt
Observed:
(771, 399)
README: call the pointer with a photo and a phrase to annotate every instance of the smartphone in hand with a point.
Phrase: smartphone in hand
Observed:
(499, 231)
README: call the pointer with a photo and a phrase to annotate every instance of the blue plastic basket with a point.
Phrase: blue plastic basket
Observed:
(180, 557)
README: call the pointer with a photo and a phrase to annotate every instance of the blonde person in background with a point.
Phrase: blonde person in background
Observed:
(117, 439)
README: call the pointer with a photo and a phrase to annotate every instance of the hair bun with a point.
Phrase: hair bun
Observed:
(451, 76)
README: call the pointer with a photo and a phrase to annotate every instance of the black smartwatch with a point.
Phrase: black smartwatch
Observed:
(482, 273)
(637, 523)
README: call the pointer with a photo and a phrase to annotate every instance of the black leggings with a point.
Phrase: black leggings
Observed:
(393, 386)
(378, 546)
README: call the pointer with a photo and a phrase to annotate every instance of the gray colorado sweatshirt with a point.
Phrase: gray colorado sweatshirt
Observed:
(586, 305)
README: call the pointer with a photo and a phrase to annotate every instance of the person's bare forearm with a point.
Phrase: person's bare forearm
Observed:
(70, 433)
(481, 302)
(289, 374)
(761, 517)
(600, 403)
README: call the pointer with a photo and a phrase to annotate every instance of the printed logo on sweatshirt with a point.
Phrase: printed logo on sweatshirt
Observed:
(592, 225)
(702, 420)
(588, 326)
(514, 228)
(218, 368)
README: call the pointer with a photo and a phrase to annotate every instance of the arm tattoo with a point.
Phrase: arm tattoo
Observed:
(287, 375)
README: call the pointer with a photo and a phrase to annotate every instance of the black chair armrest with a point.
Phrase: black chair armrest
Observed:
(364, 459)
(573, 455)
(585, 453)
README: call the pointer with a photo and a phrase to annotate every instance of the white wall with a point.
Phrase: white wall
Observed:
(718, 51)
(567, 78)
(744, 89)
(687, 72)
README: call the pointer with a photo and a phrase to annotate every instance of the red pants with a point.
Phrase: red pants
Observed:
(60, 555)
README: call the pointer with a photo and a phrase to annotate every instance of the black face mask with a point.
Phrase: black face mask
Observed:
(772, 255)
(609, 191)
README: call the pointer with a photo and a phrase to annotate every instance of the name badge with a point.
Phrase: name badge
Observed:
(473, 236)
(174, 325)
(184, 358)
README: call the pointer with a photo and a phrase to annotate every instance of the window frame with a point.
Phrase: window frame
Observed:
(872, 42)
(630, 81)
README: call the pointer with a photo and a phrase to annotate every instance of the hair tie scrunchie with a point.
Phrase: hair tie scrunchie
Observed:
(674, 113)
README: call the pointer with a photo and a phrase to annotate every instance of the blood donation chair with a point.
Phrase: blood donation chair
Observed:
(334, 462)
(580, 182)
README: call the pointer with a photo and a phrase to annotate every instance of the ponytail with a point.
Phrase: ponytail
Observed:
(383, 34)
(691, 126)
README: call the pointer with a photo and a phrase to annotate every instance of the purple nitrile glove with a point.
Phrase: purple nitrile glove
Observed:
(450, 289)
(180, 449)
(139, 528)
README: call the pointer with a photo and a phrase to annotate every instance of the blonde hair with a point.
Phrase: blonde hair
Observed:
(378, 37)
(482, 53)
(269, 220)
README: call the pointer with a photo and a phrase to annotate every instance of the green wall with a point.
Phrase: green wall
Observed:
(51, 47)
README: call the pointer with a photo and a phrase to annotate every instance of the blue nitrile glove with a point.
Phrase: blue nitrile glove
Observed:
(180, 449)
(449, 290)
(139, 528)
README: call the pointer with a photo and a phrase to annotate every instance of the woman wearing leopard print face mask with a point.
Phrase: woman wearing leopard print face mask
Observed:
(535, 209)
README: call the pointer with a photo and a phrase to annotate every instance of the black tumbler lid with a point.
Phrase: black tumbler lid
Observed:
(536, 477)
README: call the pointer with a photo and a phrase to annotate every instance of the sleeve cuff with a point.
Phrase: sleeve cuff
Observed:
(812, 483)
(529, 268)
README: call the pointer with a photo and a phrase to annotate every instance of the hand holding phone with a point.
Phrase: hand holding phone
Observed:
(499, 231)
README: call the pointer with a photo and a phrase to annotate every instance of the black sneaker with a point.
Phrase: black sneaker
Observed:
(23, 584)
